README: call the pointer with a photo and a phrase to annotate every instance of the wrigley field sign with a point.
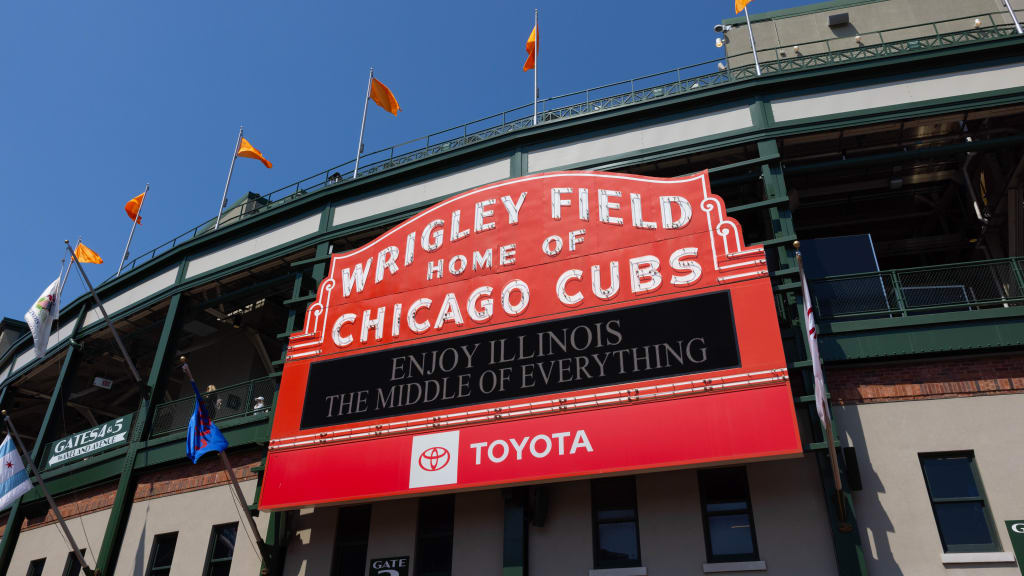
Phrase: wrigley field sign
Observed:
(544, 327)
(88, 441)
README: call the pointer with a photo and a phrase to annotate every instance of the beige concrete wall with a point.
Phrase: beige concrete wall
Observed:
(671, 531)
(810, 31)
(312, 546)
(393, 530)
(49, 542)
(479, 533)
(894, 514)
(564, 544)
(192, 515)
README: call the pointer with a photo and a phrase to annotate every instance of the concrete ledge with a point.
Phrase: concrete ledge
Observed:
(753, 566)
(977, 558)
(631, 571)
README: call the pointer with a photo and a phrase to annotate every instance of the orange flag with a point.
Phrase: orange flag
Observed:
(531, 49)
(132, 208)
(246, 150)
(86, 256)
(382, 95)
(741, 4)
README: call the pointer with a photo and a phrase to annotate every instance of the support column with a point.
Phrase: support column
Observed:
(14, 519)
(118, 521)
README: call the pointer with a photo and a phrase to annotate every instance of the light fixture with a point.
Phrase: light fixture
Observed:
(977, 22)
(857, 39)
(721, 66)
(796, 49)
(718, 42)
(720, 28)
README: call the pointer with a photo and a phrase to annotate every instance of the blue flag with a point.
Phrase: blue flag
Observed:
(203, 435)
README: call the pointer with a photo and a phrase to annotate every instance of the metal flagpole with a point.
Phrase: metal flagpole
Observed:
(103, 312)
(536, 58)
(49, 498)
(260, 544)
(60, 287)
(134, 222)
(1013, 15)
(362, 125)
(224, 197)
(753, 48)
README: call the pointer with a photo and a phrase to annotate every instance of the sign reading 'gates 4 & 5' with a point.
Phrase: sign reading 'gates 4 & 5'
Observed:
(544, 327)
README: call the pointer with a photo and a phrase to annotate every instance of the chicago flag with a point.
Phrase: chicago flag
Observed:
(14, 480)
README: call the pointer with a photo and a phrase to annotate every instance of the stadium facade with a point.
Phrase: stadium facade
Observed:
(887, 136)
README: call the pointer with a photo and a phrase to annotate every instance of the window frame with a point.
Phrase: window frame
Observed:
(705, 514)
(210, 560)
(71, 562)
(595, 526)
(153, 552)
(38, 565)
(343, 545)
(426, 534)
(995, 545)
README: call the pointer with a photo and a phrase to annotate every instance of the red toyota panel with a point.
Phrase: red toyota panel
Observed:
(550, 326)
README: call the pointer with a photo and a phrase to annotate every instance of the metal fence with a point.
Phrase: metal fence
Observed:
(913, 291)
(674, 82)
(224, 403)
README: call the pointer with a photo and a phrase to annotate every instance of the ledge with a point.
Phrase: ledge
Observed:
(753, 566)
(977, 558)
(631, 571)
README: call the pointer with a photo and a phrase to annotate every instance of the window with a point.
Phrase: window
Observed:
(958, 502)
(613, 512)
(72, 567)
(35, 567)
(353, 536)
(222, 548)
(161, 554)
(434, 528)
(728, 521)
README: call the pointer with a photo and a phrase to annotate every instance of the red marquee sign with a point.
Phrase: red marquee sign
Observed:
(545, 327)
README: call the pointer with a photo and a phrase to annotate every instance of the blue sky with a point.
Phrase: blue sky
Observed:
(100, 98)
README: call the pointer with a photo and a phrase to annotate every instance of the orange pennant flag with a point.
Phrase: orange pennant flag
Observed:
(86, 256)
(133, 206)
(382, 95)
(246, 150)
(531, 49)
(741, 4)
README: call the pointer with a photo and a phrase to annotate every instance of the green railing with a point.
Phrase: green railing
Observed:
(688, 79)
(224, 403)
(924, 290)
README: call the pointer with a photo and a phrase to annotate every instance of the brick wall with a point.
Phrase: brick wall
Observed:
(73, 505)
(187, 477)
(927, 378)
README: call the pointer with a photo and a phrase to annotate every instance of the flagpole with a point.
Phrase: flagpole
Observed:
(362, 125)
(753, 48)
(536, 58)
(64, 273)
(132, 233)
(224, 197)
(824, 413)
(103, 312)
(46, 493)
(1013, 15)
(260, 544)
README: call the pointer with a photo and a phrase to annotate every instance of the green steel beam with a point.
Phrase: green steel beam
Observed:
(13, 529)
(121, 508)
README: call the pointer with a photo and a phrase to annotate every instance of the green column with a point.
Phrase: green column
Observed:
(13, 529)
(118, 521)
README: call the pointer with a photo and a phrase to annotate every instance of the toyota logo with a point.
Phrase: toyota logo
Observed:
(434, 458)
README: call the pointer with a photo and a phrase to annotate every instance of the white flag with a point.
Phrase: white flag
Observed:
(820, 402)
(14, 480)
(40, 316)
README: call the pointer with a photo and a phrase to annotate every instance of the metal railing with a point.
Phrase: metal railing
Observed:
(915, 291)
(692, 78)
(224, 403)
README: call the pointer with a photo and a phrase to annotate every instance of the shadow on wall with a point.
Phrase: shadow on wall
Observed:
(875, 525)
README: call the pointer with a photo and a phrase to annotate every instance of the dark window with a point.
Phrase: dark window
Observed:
(35, 567)
(613, 510)
(958, 502)
(72, 567)
(161, 554)
(434, 528)
(728, 521)
(222, 548)
(353, 536)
